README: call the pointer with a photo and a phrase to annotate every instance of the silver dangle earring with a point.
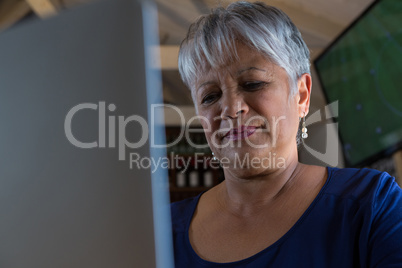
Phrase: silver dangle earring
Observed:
(304, 128)
(213, 156)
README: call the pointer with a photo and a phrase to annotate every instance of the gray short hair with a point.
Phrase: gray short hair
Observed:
(210, 41)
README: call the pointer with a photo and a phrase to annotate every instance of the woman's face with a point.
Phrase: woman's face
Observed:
(249, 118)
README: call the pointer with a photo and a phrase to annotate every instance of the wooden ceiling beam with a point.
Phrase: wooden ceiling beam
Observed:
(168, 57)
(43, 8)
(309, 22)
(11, 11)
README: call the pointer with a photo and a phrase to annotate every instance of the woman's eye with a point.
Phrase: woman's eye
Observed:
(210, 98)
(253, 85)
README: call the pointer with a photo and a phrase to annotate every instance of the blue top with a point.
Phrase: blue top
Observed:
(355, 221)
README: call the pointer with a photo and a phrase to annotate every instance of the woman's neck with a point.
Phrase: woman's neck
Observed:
(247, 196)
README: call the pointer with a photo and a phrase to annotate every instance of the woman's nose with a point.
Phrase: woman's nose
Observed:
(233, 106)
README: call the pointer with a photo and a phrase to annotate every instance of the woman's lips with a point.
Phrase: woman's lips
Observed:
(240, 133)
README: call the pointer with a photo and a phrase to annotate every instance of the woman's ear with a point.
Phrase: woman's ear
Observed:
(304, 89)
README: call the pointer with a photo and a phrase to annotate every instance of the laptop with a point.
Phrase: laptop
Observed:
(79, 186)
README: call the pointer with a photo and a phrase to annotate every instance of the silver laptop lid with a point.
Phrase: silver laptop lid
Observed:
(76, 185)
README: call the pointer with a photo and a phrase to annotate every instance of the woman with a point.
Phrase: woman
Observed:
(248, 70)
